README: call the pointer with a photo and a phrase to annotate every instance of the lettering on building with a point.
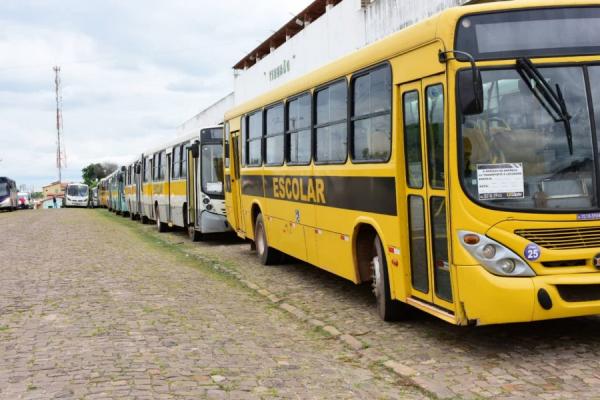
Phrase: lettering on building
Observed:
(279, 70)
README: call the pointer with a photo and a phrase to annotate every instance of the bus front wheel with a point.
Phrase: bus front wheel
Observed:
(267, 255)
(195, 235)
(387, 308)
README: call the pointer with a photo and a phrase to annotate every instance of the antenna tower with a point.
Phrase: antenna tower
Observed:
(61, 154)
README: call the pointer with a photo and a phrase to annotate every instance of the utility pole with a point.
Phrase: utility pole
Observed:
(61, 156)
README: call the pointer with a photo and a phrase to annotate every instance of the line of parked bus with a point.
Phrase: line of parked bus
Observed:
(453, 165)
(177, 184)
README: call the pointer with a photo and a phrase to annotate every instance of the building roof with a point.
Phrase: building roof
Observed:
(292, 27)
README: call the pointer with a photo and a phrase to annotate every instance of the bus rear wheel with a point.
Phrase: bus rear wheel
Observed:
(161, 226)
(267, 255)
(387, 308)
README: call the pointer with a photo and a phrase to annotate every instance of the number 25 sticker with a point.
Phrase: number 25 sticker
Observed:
(532, 252)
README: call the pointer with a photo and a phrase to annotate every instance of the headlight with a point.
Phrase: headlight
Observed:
(494, 257)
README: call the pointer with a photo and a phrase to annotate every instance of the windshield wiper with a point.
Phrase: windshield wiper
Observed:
(553, 102)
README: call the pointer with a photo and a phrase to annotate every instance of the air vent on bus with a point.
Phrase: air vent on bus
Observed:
(563, 238)
(564, 263)
(575, 293)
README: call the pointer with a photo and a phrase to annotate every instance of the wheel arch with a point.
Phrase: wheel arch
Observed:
(365, 230)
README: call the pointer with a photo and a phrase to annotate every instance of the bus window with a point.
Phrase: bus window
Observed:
(255, 139)
(412, 140)
(435, 135)
(212, 169)
(274, 135)
(441, 266)
(298, 125)
(418, 248)
(184, 157)
(176, 167)
(371, 109)
(147, 170)
(162, 165)
(331, 128)
(155, 164)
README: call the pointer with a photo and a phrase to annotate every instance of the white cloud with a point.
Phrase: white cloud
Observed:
(131, 71)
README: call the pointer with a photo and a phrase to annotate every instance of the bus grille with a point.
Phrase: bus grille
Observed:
(563, 238)
(574, 293)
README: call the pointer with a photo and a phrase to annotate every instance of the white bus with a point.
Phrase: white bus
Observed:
(76, 195)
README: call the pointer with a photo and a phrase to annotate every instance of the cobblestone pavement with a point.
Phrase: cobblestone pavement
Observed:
(92, 308)
(557, 359)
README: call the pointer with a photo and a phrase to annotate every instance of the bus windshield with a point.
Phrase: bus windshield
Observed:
(77, 190)
(4, 190)
(519, 33)
(212, 169)
(516, 155)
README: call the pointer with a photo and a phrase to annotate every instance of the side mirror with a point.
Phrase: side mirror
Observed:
(471, 91)
(195, 150)
(123, 168)
(138, 168)
(226, 150)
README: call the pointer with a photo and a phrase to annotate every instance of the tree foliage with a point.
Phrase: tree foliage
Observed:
(96, 171)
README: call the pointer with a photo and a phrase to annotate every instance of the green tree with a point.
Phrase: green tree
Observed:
(96, 171)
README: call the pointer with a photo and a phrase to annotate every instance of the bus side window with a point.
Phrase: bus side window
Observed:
(435, 135)
(331, 125)
(255, 137)
(371, 115)
(298, 130)
(183, 158)
(176, 163)
(274, 135)
(412, 139)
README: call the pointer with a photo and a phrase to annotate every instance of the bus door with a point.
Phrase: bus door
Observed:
(191, 185)
(168, 180)
(236, 184)
(138, 187)
(423, 110)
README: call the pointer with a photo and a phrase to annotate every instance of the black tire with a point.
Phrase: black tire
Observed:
(194, 235)
(388, 309)
(267, 255)
(160, 226)
(144, 220)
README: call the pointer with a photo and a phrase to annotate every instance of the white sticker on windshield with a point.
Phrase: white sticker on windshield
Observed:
(214, 187)
(500, 181)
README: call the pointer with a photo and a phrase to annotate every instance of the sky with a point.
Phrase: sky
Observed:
(131, 72)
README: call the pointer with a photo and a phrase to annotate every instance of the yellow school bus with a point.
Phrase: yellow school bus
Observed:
(454, 165)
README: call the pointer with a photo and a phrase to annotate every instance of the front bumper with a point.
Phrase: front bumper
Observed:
(491, 299)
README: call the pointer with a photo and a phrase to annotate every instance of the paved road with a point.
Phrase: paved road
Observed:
(93, 307)
(546, 360)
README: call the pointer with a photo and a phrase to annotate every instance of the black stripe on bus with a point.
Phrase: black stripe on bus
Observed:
(369, 194)
(253, 185)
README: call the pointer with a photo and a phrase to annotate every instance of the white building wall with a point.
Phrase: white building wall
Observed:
(346, 27)
(336, 33)
(210, 116)
(384, 17)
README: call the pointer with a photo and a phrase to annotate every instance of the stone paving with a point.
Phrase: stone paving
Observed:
(547, 360)
(92, 306)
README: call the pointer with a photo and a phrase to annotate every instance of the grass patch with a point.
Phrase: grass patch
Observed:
(4, 328)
